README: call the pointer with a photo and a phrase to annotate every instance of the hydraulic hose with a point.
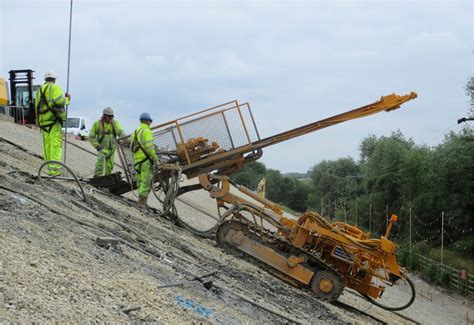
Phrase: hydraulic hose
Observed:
(408, 304)
(68, 169)
(170, 190)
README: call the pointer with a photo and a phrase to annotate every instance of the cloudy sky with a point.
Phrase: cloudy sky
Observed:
(294, 61)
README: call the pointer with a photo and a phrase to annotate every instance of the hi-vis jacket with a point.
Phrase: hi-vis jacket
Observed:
(142, 144)
(49, 105)
(104, 134)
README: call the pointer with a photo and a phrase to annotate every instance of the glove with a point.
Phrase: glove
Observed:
(124, 142)
(99, 148)
(68, 95)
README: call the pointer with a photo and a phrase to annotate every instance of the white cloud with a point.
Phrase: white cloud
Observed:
(155, 60)
(296, 62)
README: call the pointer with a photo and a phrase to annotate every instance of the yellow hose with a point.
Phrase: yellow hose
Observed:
(369, 244)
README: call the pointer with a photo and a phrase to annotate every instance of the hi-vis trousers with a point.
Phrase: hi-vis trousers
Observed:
(52, 148)
(105, 162)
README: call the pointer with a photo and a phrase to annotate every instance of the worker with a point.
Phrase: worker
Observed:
(144, 158)
(50, 106)
(103, 137)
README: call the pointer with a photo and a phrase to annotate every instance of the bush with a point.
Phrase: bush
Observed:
(413, 262)
(431, 273)
(455, 260)
(464, 246)
(423, 248)
(404, 257)
(445, 278)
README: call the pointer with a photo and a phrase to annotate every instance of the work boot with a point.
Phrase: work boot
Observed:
(142, 201)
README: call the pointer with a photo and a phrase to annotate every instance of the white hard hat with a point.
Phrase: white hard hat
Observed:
(50, 75)
(108, 111)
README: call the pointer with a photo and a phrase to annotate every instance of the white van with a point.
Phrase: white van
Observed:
(79, 126)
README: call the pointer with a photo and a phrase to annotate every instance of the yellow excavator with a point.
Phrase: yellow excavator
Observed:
(307, 251)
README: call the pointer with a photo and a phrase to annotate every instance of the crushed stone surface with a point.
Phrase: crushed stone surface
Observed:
(51, 268)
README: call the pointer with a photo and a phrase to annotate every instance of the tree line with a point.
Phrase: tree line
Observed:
(394, 173)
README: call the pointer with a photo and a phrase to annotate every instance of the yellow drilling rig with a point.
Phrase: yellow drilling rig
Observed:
(307, 251)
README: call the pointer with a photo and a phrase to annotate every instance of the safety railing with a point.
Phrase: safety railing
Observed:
(460, 280)
(197, 137)
(217, 129)
(16, 112)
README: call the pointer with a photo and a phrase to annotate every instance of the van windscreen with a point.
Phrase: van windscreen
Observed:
(73, 122)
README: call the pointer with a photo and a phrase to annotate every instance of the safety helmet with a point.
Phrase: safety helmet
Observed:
(108, 111)
(145, 117)
(50, 75)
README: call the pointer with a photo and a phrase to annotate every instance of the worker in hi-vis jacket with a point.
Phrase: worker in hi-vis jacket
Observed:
(144, 157)
(50, 106)
(103, 136)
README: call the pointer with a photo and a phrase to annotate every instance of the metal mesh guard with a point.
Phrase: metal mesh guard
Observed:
(197, 136)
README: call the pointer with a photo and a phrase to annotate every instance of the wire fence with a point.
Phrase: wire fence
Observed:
(435, 232)
(459, 280)
(371, 217)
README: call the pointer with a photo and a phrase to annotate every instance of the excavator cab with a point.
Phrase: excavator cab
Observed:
(19, 103)
(22, 96)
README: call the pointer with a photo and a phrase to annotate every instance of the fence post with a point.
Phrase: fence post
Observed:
(356, 211)
(410, 229)
(442, 236)
(329, 208)
(459, 281)
(345, 211)
(370, 217)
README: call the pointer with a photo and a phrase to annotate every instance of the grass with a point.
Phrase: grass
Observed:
(452, 259)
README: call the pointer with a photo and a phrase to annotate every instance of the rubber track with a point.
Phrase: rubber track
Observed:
(270, 237)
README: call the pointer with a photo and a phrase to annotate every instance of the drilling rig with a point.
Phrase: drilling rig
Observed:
(307, 251)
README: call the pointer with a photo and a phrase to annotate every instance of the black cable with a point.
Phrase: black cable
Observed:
(68, 169)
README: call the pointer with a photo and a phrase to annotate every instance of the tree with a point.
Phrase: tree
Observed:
(367, 147)
(392, 171)
(470, 92)
(332, 180)
(298, 197)
(382, 173)
(250, 175)
(453, 179)
(278, 186)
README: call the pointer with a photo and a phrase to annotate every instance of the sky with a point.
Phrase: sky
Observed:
(295, 62)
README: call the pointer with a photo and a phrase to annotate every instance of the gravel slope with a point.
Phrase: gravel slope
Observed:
(52, 269)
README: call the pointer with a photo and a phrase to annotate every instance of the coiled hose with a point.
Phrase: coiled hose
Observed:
(78, 182)
(170, 190)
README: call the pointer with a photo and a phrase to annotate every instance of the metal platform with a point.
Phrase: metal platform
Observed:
(193, 139)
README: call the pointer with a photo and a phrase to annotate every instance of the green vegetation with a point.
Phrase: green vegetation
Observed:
(431, 273)
(469, 88)
(431, 269)
(393, 175)
(392, 172)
